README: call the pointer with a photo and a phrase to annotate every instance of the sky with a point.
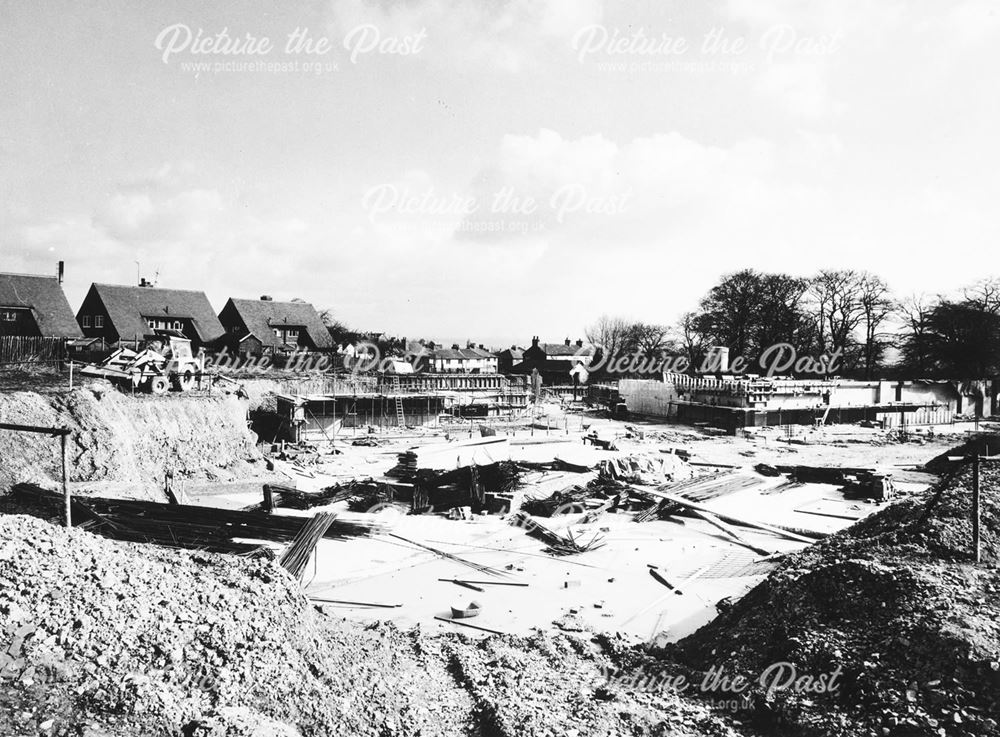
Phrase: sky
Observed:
(497, 170)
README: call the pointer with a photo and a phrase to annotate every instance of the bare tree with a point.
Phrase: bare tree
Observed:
(338, 330)
(877, 305)
(984, 295)
(614, 335)
(837, 307)
(915, 311)
(693, 339)
(652, 340)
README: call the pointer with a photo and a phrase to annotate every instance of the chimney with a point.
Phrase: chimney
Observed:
(61, 271)
(567, 341)
(579, 343)
(266, 298)
(534, 342)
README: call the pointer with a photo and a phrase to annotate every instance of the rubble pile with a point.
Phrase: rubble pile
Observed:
(124, 639)
(110, 639)
(896, 604)
(557, 685)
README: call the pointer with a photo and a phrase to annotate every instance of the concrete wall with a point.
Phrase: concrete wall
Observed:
(649, 397)
(723, 405)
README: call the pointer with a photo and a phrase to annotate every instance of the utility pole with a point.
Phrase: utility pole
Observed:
(977, 553)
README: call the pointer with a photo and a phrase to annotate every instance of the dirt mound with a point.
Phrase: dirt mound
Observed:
(545, 685)
(109, 639)
(121, 438)
(894, 606)
(141, 640)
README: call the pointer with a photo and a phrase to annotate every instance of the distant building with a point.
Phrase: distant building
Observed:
(738, 403)
(275, 326)
(555, 362)
(119, 313)
(35, 306)
(508, 358)
(457, 360)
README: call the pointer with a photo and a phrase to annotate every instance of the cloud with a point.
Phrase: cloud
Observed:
(503, 36)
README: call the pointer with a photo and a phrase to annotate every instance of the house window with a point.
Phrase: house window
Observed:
(99, 321)
(178, 325)
(86, 321)
(8, 316)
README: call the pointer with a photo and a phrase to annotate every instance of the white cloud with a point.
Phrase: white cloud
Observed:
(505, 36)
(800, 86)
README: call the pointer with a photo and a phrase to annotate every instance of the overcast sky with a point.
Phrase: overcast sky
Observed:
(497, 170)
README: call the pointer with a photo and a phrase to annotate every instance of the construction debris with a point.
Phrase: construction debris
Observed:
(185, 526)
(566, 544)
(297, 555)
(893, 606)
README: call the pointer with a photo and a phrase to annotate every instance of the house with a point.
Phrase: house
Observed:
(508, 358)
(120, 313)
(481, 360)
(275, 326)
(555, 362)
(36, 306)
(457, 360)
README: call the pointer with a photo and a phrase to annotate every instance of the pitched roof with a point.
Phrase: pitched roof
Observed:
(477, 353)
(561, 349)
(464, 354)
(262, 316)
(128, 306)
(448, 353)
(44, 296)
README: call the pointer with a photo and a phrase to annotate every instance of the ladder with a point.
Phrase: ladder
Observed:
(400, 418)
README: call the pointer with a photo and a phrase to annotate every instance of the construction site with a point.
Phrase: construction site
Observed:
(421, 555)
(525, 368)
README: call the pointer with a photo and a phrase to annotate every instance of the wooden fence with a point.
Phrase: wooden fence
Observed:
(21, 350)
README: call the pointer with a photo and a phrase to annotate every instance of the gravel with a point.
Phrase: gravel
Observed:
(104, 638)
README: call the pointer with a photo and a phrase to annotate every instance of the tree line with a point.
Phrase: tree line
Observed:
(851, 314)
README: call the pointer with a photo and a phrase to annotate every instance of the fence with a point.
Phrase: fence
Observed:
(21, 350)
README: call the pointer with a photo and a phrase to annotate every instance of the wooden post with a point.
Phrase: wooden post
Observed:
(65, 484)
(71, 374)
(976, 552)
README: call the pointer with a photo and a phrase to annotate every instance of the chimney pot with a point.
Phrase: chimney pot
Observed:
(61, 271)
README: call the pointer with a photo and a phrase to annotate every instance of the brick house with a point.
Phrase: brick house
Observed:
(117, 313)
(274, 327)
